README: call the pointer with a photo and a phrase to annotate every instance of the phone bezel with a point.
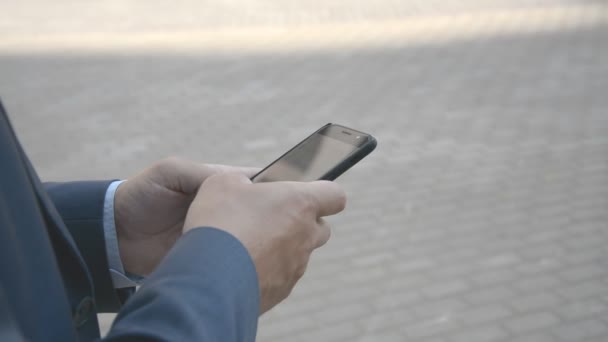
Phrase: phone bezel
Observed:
(365, 145)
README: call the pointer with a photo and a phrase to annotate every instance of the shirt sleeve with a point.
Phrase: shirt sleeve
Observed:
(120, 278)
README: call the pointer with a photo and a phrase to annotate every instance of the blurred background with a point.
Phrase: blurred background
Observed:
(482, 215)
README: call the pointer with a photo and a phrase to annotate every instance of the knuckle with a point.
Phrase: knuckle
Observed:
(306, 203)
(224, 181)
(340, 196)
(218, 180)
(300, 270)
(168, 163)
(295, 200)
(172, 160)
(287, 291)
(326, 231)
(229, 178)
(342, 199)
(320, 240)
(212, 179)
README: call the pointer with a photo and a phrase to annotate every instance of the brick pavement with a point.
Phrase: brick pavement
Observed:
(481, 216)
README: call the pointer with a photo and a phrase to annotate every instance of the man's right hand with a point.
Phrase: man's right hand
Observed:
(279, 223)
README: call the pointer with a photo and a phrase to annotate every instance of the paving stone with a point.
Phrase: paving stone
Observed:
(536, 301)
(445, 289)
(535, 337)
(441, 325)
(284, 328)
(346, 312)
(581, 331)
(335, 332)
(585, 309)
(386, 321)
(530, 322)
(490, 295)
(484, 314)
(584, 290)
(480, 334)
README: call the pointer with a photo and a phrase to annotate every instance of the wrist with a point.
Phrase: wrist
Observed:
(120, 222)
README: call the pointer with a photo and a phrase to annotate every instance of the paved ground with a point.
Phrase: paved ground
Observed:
(483, 214)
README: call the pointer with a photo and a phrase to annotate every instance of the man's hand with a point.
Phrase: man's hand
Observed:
(279, 223)
(150, 209)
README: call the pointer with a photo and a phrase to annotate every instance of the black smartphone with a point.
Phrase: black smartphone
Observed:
(324, 155)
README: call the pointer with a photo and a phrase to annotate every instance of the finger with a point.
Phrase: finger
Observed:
(187, 176)
(329, 198)
(323, 233)
(234, 178)
(247, 171)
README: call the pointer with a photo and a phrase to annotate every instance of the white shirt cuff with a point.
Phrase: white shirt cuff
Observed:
(119, 277)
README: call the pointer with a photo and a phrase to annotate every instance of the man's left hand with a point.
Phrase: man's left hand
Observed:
(150, 209)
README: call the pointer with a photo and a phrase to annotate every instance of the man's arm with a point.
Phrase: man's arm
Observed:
(205, 289)
(211, 284)
(80, 205)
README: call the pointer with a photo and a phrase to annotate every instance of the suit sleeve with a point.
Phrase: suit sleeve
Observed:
(205, 289)
(80, 205)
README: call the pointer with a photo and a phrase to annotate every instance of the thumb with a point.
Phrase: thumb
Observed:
(231, 177)
(180, 175)
(186, 176)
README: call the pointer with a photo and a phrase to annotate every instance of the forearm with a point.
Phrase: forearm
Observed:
(206, 289)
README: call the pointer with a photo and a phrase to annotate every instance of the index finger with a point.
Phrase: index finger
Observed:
(328, 197)
(247, 171)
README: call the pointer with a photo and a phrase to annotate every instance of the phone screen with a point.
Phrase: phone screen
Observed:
(311, 159)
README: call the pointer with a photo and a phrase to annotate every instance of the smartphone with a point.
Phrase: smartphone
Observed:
(324, 155)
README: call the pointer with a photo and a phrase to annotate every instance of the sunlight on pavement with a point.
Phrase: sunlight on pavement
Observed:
(285, 39)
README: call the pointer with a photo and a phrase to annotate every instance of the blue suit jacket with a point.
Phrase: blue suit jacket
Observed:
(54, 275)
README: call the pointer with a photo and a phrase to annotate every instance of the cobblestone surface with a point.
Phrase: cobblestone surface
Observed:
(482, 216)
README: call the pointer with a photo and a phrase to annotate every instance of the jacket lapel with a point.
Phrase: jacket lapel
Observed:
(47, 206)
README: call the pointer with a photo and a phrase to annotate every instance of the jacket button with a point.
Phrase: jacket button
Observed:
(83, 311)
